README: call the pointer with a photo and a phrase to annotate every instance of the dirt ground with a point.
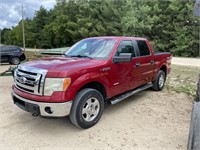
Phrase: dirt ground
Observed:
(147, 120)
(186, 61)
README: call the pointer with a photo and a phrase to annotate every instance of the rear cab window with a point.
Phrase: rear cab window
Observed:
(143, 48)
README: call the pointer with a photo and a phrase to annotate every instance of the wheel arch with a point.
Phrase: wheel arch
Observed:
(164, 69)
(94, 81)
(95, 85)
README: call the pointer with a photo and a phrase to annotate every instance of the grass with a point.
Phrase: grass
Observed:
(183, 79)
(29, 54)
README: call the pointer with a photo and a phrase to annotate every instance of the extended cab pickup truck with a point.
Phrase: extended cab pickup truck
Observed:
(91, 72)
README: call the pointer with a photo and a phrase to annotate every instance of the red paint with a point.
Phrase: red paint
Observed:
(120, 78)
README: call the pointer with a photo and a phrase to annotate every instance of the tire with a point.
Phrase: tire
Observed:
(87, 108)
(15, 61)
(159, 83)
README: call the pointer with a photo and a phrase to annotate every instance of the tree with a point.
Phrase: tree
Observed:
(170, 25)
(4, 34)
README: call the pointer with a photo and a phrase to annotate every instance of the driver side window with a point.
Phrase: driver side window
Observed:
(125, 47)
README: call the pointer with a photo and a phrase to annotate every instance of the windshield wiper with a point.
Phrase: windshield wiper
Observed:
(80, 56)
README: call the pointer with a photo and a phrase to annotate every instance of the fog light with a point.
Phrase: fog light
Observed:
(48, 110)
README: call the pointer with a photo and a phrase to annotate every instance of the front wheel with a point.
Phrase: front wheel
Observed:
(87, 108)
(159, 83)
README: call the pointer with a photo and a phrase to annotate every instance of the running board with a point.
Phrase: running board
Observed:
(121, 97)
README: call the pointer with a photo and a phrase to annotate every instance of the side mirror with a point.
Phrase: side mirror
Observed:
(123, 57)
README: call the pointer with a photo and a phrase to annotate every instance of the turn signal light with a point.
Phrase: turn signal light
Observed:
(66, 83)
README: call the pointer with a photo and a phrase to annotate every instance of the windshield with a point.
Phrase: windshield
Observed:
(92, 48)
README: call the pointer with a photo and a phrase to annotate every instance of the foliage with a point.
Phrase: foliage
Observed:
(4, 34)
(169, 24)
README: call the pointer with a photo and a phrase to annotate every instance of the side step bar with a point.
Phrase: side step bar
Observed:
(123, 96)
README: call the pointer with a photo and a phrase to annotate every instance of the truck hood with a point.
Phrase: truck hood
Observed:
(62, 64)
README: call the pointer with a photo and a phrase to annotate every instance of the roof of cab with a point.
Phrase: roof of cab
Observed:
(117, 38)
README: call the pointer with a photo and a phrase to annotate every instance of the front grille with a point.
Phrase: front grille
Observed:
(30, 80)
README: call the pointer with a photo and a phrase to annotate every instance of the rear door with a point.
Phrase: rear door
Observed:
(145, 62)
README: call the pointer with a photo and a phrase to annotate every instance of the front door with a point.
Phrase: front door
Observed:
(124, 73)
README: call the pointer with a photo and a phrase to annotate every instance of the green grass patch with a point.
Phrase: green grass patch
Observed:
(183, 79)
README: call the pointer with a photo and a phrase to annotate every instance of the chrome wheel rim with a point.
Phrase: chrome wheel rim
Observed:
(161, 81)
(90, 109)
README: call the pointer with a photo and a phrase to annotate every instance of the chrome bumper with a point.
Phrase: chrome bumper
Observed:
(41, 108)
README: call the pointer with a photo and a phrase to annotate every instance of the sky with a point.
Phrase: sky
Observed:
(11, 10)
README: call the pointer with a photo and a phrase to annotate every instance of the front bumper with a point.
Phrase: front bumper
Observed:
(41, 108)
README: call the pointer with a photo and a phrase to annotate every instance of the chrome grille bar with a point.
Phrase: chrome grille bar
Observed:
(29, 79)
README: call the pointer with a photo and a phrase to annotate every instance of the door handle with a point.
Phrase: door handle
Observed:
(137, 64)
(151, 62)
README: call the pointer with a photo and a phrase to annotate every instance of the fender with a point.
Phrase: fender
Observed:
(158, 66)
(78, 83)
(161, 64)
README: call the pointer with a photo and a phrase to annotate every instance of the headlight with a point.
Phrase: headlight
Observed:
(55, 84)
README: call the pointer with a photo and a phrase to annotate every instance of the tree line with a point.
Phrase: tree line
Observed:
(170, 25)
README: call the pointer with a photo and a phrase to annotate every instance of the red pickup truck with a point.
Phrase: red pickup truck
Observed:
(93, 71)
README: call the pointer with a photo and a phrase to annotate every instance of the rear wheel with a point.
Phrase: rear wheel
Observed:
(159, 83)
(87, 108)
(15, 61)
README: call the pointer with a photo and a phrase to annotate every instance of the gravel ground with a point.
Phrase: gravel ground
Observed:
(186, 61)
(147, 120)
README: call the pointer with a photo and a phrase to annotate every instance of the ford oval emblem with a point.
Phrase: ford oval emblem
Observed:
(22, 79)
